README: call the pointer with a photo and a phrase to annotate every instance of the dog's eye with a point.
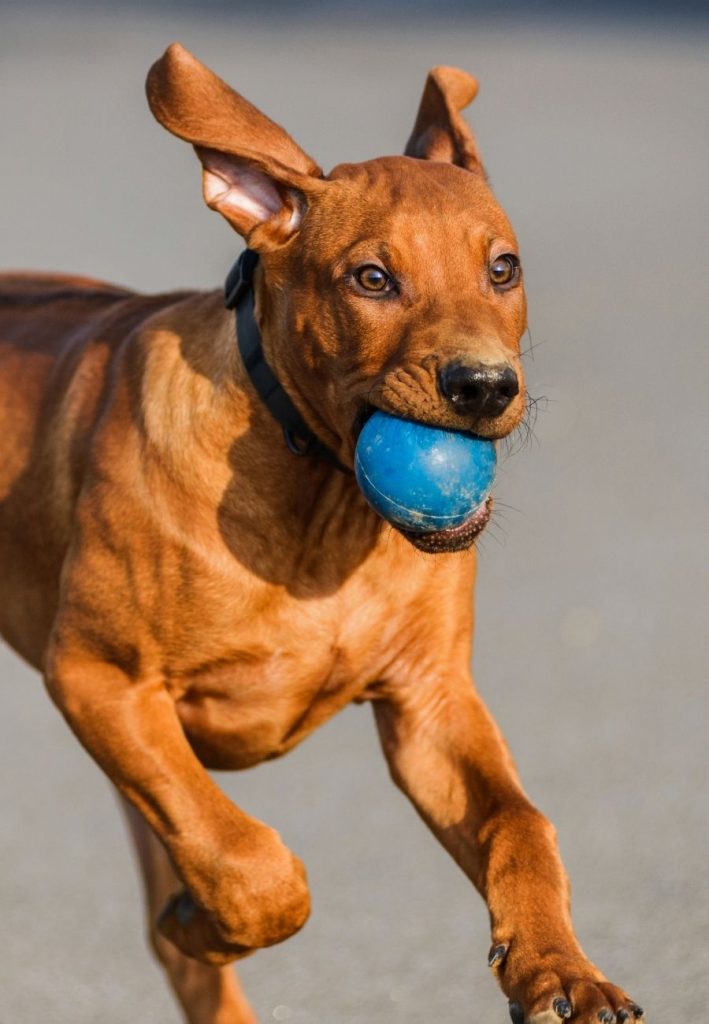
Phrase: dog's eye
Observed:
(373, 278)
(505, 270)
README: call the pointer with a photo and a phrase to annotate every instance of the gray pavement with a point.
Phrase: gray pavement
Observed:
(593, 595)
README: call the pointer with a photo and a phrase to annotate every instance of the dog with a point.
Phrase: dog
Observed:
(187, 559)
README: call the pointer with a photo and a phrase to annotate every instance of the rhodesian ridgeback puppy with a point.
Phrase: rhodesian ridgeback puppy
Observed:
(198, 593)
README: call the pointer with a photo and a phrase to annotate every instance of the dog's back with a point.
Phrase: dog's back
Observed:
(59, 336)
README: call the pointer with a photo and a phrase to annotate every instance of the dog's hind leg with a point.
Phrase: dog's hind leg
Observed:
(207, 994)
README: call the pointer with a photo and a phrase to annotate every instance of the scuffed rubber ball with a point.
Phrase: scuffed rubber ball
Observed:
(420, 477)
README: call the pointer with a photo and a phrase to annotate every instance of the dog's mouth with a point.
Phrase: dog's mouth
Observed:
(455, 538)
(363, 413)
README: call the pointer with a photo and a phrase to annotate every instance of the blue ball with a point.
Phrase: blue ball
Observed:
(420, 477)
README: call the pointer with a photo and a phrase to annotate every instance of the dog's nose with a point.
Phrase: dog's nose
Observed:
(480, 391)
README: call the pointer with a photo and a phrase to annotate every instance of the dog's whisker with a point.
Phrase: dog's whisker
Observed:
(524, 434)
(532, 347)
(503, 505)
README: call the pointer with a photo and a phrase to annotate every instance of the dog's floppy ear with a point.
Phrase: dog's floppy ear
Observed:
(440, 133)
(254, 174)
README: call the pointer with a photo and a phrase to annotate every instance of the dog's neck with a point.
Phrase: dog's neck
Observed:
(296, 521)
(222, 459)
(299, 437)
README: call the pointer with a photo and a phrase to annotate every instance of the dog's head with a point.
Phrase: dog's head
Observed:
(393, 283)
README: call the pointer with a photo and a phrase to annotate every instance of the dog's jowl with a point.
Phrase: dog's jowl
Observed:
(186, 556)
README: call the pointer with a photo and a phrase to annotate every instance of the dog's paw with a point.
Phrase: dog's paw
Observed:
(613, 1010)
(257, 905)
(560, 990)
(236, 899)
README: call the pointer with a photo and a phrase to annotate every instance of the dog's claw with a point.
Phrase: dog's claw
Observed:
(562, 1008)
(182, 906)
(638, 1011)
(606, 1016)
(497, 955)
(622, 1015)
(516, 1013)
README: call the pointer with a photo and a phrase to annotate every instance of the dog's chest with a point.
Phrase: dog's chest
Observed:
(286, 671)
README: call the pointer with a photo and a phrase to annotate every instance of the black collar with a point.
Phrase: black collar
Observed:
(239, 295)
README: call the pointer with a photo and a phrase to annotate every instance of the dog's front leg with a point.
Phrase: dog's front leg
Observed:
(244, 888)
(446, 753)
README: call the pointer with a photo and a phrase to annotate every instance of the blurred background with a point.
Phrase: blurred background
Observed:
(593, 598)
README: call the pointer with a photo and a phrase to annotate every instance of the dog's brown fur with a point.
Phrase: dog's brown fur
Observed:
(197, 596)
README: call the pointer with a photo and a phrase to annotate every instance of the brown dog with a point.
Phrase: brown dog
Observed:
(196, 595)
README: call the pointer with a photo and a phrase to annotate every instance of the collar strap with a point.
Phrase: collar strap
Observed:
(239, 295)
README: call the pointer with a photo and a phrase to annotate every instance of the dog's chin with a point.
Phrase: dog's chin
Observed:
(457, 538)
